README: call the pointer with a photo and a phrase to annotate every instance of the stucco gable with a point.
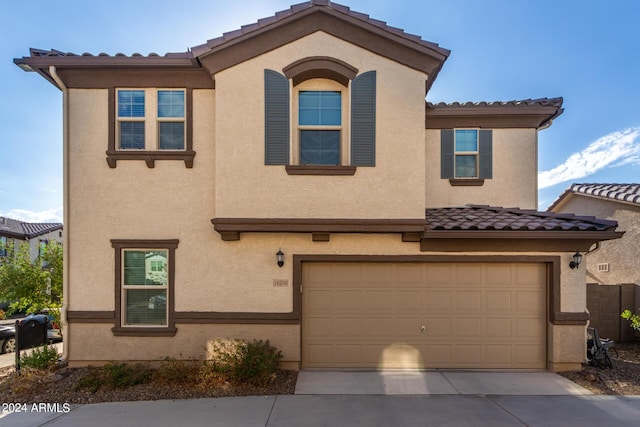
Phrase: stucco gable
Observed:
(617, 193)
(321, 15)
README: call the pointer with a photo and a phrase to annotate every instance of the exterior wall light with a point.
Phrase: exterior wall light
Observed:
(576, 259)
(280, 258)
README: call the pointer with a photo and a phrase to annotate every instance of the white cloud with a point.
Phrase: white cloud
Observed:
(50, 215)
(614, 149)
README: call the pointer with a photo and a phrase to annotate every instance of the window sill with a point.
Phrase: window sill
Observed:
(466, 182)
(139, 331)
(150, 157)
(320, 170)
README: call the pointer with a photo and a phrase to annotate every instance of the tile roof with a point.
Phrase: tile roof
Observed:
(26, 230)
(541, 102)
(489, 218)
(301, 7)
(625, 193)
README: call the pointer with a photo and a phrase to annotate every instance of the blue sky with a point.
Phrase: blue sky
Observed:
(586, 51)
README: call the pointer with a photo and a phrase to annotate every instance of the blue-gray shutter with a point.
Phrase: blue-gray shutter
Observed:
(486, 154)
(446, 154)
(363, 120)
(276, 118)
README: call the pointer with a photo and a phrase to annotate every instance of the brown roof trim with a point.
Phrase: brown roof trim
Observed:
(305, 19)
(530, 113)
(323, 67)
(83, 78)
(526, 235)
(230, 228)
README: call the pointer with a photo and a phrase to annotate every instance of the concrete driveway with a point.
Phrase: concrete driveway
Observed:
(537, 383)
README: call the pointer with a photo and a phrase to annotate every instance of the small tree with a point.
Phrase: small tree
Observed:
(633, 318)
(32, 286)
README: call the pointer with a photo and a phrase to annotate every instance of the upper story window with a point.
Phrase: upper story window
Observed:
(466, 155)
(320, 127)
(135, 124)
(171, 119)
(150, 124)
(332, 110)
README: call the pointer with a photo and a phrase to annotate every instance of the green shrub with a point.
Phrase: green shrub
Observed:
(252, 362)
(633, 318)
(43, 357)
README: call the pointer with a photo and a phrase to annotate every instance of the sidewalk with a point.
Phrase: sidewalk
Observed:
(346, 410)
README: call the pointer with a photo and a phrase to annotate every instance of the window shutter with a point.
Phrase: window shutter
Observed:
(363, 120)
(276, 112)
(486, 154)
(446, 154)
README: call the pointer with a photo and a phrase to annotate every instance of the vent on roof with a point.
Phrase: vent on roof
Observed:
(603, 266)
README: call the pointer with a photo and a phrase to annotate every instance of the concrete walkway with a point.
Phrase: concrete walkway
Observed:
(395, 399)
(345, 410)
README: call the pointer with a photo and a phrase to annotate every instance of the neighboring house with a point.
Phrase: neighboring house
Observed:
(306, 135)
(14, 232)
(614, 262)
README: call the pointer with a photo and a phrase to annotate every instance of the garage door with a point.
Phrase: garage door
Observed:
(424, 315)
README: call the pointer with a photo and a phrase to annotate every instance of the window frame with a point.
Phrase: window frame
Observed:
(4, 246)
(120, 247)
(320, 85)
(459, 153)
(152, 151)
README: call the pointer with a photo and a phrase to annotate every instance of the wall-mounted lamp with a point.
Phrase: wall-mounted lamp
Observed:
(280, 257)
(576, 259)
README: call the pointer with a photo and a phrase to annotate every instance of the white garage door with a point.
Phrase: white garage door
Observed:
(424, 315)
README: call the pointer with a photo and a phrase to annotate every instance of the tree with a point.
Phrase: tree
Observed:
(633, 318)
(32, 286)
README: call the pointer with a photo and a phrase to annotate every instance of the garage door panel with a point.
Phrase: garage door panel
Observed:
(439, 327)
(467, 275)
(476, 315)
(409, 301)
(499, 327)
(499, 275)
(379, 327)
(468, 301)
(439, 301)
(468, 328)
(347, 327)
(381, 301)
(498, 301)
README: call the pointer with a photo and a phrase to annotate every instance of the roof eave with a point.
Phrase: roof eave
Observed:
(495, 116)
(433, 55)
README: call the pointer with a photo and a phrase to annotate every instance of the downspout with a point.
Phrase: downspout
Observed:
(65, 214)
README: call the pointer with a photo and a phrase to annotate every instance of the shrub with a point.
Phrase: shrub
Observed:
(43, 357)
(252, 362)
(117, 375)
(633, 318)
(172, 371)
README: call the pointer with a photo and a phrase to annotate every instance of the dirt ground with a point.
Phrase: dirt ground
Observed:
(61, 386)
(623, 379)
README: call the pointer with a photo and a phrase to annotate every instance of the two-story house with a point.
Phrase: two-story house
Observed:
(288, 181)
(14, 233)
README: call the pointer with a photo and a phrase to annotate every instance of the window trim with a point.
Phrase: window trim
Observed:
(149, 156)
(475, 153)
(320, 85)
(119, 246)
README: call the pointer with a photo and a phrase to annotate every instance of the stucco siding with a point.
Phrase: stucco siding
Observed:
(621, 255)
(247, 188)
(514, 173)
